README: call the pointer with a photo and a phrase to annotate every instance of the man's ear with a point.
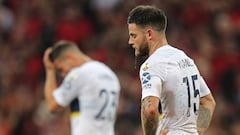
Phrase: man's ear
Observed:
(149, 34)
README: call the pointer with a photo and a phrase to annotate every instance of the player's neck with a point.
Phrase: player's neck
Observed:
(157, 44)
(82, 60)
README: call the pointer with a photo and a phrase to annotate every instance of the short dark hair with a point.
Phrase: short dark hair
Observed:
(59, 48)
(145, 15)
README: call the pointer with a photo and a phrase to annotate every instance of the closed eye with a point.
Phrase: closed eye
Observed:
(133, 35)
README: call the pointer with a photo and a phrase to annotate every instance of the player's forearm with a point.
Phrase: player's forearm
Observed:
(205, 113)
(50, 86)
(204, 118)
(149, 115)
(150, 126)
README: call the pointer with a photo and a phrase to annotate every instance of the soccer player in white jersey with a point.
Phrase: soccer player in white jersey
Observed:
(90, 88)
(170, 80)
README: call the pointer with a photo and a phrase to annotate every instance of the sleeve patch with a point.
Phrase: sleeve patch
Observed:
(145, 77)
(67, 85)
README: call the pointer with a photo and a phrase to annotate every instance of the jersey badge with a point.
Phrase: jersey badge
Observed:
(73, 77)
(67, 85)
(145, 77)
(146, 67)
(145, 80)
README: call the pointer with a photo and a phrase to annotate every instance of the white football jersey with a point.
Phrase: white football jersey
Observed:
(173, 77)
(92, 91)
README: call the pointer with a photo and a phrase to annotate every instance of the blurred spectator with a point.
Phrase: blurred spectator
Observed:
(6, 21)
(73, 25)
(235, 128)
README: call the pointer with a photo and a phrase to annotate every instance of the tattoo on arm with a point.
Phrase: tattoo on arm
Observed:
(149, 121)
(204, 117)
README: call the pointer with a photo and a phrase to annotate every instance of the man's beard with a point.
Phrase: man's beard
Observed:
(142, 57)
(139, 61)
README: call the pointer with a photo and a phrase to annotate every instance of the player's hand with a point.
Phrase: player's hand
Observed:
(164, 132)
(47, 63)
(201, 131)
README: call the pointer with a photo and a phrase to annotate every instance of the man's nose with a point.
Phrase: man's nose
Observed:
(130, 42)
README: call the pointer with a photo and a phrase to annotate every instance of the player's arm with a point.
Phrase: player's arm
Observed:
(50, 83)
(150, 115)
(206, 109)
(164, 132)
(151, 82)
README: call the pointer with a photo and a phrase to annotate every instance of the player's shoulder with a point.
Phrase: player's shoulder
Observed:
(82, 70)
(168, 51)
(93, 65)
(88, 67)
(171, 54)
(72, 75)
(162, 57)
(163, 54)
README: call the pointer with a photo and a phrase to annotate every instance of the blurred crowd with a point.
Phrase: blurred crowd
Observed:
(208, 31)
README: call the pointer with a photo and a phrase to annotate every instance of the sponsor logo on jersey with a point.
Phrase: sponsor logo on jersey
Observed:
(147, 86)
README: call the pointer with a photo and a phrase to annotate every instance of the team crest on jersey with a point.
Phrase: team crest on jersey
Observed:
(73, 77)
(146, 67)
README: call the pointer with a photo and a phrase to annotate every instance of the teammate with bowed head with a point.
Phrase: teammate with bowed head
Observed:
(170, 79)
(89, 87)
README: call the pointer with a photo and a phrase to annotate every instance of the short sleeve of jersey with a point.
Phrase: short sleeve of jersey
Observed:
(204, 90)
(67, 91)
(151, 77)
